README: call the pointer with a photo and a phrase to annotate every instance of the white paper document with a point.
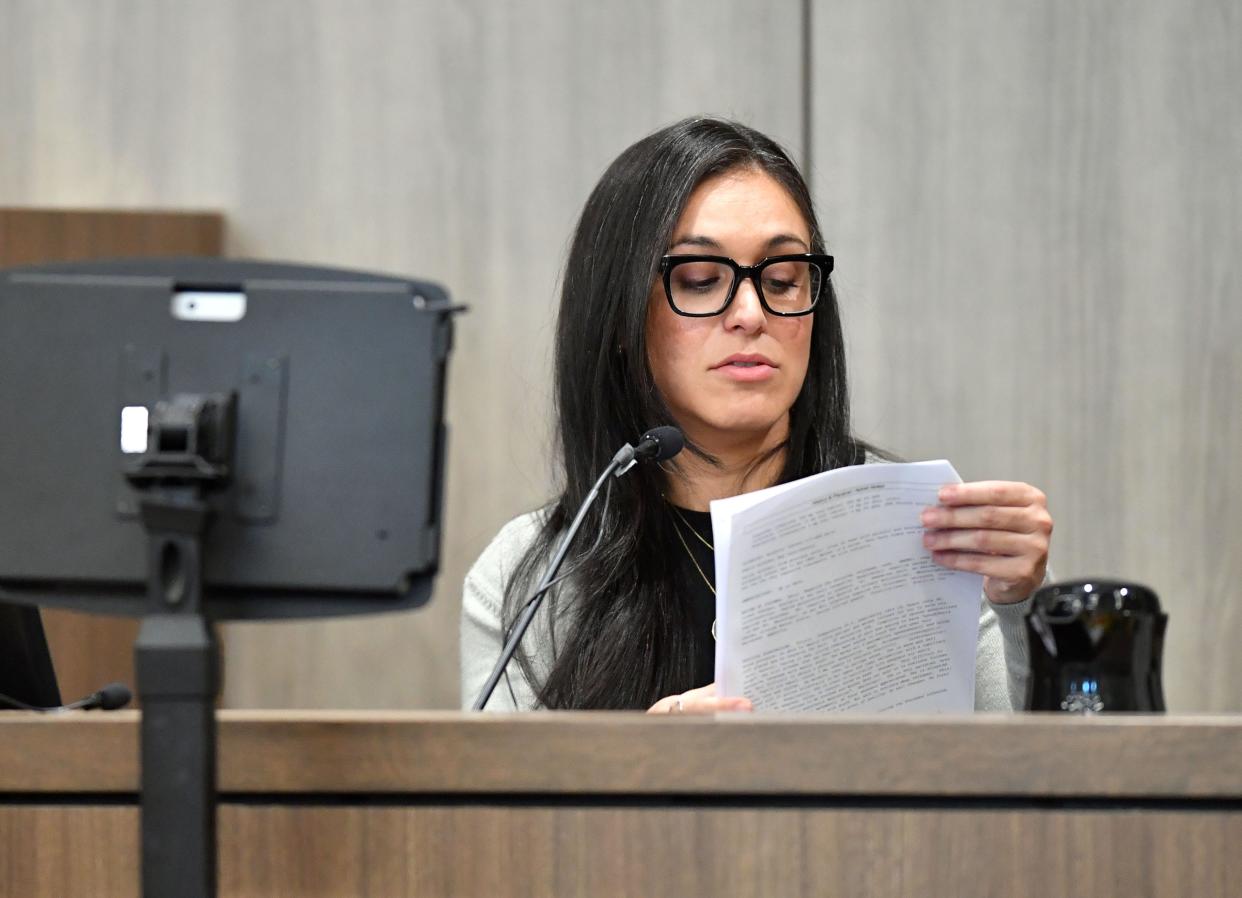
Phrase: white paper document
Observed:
(826, 599)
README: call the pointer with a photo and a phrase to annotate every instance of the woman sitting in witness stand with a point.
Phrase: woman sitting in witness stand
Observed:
(697, 292)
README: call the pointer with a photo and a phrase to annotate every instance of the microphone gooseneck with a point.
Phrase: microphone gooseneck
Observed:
(111, 697)
(658, 444)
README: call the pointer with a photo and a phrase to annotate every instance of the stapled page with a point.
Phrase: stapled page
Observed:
(827, 600)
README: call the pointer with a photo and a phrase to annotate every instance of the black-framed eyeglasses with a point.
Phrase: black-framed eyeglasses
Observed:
(703, 286)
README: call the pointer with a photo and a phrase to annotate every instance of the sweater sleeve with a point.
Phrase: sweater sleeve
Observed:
(1004, 653)
(481, 636)
(1002, 665)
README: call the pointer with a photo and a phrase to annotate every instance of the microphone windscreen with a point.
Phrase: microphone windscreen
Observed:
(114, 695)
(669, 441)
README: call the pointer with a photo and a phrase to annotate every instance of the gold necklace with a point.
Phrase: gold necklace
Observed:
(696, 533)
(694, 561)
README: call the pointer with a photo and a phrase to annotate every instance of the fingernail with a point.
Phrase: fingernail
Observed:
(931, 517)
(946, 493)
(929, 540)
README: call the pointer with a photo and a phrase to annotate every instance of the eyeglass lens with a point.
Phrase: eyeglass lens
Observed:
(701, 288)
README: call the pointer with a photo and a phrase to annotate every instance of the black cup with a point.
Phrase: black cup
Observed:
(1095, 646)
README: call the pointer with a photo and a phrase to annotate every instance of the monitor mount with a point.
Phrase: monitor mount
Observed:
(189, 455)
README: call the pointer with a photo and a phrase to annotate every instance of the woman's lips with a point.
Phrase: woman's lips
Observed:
(746, 368)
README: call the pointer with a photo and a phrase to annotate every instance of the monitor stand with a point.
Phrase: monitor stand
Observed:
(177, 655)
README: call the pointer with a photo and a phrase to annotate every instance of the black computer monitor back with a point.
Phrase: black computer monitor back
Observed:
(334, 501)
(26, 672)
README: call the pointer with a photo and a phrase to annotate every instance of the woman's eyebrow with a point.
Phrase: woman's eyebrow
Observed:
(787, 238)
(710, 243)
(698, 240)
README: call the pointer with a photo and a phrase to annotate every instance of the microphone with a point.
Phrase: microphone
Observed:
(658, 444)
(111, 697)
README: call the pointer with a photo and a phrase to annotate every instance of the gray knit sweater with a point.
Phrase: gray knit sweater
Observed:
(1001, 665)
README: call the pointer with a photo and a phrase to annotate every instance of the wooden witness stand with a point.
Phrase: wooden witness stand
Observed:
(389, 804)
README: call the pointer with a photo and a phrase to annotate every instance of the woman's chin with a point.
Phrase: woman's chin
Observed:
(757, 427)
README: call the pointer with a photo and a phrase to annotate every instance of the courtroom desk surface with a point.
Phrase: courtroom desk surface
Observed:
(629, 753)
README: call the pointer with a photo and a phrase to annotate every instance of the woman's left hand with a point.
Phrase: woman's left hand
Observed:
(995, 528)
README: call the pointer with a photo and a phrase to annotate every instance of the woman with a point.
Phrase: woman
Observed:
(663, 320)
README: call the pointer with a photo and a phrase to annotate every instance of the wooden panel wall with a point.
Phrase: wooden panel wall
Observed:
(1036, 211)
(453, 141)
(31, 236)
(504, 849)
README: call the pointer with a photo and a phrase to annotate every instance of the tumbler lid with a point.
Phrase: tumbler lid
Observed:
(1070, 598)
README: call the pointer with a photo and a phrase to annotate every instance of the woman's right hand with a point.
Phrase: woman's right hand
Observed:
(699, 701)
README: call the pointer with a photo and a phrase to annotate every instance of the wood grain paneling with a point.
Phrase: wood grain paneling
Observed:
(609, 803)
(619, 753)
(1034, 210)
(31, 236)
(452, 141)
(381, 852)
(520, 851)
(90, 651)
(54, 851)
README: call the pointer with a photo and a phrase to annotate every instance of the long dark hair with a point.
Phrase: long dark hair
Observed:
(625, 638)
